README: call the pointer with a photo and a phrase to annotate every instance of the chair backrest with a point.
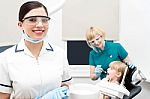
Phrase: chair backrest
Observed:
(133, 92)
(3, 48)
(124, 75)
(133, 89)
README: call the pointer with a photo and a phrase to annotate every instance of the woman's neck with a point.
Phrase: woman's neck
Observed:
(34, 48)
(102, 45)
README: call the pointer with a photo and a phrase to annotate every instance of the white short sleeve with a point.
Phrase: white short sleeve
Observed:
(66, 71)
(5, 83)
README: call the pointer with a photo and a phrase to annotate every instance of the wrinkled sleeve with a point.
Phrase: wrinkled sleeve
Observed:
(5, 83)
(66, 70)
(91, 60)
(122, 52)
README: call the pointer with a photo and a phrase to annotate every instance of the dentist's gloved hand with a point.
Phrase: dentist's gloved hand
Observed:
(58, 93)
(98, 70)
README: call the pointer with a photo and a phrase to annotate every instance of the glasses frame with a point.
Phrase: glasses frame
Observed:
(97, 38)
(35, 17)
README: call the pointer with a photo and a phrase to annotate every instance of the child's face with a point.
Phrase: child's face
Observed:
(112, 73)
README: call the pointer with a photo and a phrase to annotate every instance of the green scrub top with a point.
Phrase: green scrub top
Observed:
(112, 52)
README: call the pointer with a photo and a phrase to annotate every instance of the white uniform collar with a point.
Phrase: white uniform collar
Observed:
(22, 47)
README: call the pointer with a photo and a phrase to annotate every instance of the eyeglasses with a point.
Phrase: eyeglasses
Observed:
(33, 20)
(96, 39)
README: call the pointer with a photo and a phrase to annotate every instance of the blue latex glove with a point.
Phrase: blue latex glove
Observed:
(98, 70)
(58, 93)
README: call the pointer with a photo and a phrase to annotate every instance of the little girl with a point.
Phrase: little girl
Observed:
(115, 73)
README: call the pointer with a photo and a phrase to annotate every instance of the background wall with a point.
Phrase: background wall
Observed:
(134, 31)
(78, 15)
(10, 33)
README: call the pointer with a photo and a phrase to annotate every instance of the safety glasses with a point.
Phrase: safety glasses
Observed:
(96, 39)
(33, 20)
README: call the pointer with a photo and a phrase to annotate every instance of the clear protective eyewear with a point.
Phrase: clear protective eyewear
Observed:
(96, 39)
(33, 20)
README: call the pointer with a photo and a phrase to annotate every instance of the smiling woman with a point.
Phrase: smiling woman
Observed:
(39, 69)
(10, 34)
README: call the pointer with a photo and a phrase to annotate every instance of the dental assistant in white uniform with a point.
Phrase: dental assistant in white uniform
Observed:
(34, 66)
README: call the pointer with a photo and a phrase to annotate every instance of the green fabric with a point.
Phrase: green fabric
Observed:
(112, 52)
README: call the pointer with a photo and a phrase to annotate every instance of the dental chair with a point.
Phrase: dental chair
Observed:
(113, 90)
(3, 48)
(133, 86)
(130, 90)
(133, 92)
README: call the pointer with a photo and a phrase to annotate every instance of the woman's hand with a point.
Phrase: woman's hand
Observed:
(58, 93)
(93, 75)
(98, 70)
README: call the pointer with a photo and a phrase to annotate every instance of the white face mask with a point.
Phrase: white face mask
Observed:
(28, 38)
(96, 49)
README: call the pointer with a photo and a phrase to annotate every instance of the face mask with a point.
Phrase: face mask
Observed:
(28, 38)
(96, 49)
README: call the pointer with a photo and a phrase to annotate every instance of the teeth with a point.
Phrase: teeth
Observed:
(39, 31)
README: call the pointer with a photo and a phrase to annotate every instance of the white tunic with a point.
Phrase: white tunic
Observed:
(25, 77)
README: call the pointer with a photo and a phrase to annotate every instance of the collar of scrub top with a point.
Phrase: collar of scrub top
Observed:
(21, 46)
(106, 47)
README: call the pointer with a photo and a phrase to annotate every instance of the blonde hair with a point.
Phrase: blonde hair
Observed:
(92, 32)
(119, 67)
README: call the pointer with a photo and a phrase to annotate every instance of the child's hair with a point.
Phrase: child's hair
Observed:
(119, 67)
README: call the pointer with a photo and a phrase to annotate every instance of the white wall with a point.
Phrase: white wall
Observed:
(82, 15)
(134, 31)
(10, 33)
(55, 29)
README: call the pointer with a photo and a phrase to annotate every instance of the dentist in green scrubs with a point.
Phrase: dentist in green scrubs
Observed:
(103, 53)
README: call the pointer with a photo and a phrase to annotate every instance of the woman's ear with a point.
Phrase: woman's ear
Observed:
(20, 24)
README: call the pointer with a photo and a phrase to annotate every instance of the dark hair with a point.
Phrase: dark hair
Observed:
(28, 6)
